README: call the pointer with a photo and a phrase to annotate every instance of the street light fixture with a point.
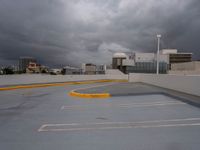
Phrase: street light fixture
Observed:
(158, 52)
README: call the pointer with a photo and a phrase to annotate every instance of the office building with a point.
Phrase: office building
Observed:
(24, 63)
(139, 62)
(146, 62)
(176, 57)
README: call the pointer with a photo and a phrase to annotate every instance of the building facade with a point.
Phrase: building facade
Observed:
(33, 68)
(24, 63)
(117, 61)
(100, 69)
(93, 69)
(147, 67)
(147, 62)
(139, 62)
(176, 57)
(89, 69)
(68, 70)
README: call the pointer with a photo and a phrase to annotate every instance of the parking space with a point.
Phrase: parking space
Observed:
(49, 119)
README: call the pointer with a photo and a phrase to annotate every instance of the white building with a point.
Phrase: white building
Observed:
(139, 62)
(169, 51)
(93, 69)
(144, 57)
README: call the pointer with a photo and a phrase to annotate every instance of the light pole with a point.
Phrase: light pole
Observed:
(158, 52)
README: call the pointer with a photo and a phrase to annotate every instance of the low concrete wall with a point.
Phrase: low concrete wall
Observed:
(114, 72)
(189, 72)
(182, 83)
(38, 78)
(117, 77)
(187, 66)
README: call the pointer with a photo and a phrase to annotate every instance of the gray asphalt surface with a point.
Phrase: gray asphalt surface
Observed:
(49, 119)
(132, 89)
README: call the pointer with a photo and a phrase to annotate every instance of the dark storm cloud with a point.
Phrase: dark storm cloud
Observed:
(62, 32)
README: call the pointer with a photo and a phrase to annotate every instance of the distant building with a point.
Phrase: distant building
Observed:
(144, 57)
(44, 69)
(117, 61)
(176, 57)
(93, 69)
(100, 69)
(139, 62)
(68, 70)
(169, 51)
(147, 62)
(7, 70)
(55, 71)
(1, 71)
(33, 67)
(180, 58)
(147, 67)
(89, 68)
(24, 63)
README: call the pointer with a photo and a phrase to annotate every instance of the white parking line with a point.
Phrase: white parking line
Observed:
(120, 125)
(130, 105)
(125, 127)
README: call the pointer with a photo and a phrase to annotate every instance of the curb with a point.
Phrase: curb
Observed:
(86, 95)
(56, 84)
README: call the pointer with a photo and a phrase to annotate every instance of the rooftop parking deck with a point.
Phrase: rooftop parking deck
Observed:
(138, 116)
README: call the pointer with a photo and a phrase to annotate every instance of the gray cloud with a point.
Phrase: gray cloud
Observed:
(60, 32)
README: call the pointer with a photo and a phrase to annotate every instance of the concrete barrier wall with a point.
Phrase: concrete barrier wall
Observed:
(38, 78)
(117, 77)
(188, 72)
(182, 83)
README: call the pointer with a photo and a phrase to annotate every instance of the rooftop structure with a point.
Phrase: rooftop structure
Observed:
(139, 62)
(176, 57)
(119, 55)
(169, 51)
(146, 62)
(117, 61)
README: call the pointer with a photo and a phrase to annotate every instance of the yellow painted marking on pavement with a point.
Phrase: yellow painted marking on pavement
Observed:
(97, 95)
(90, 95)
(56, 84)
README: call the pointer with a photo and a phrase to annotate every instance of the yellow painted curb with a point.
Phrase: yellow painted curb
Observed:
(86, 95)
(57, 84)
(30, 86)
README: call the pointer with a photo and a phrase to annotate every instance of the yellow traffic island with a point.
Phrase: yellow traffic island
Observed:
(87, 95)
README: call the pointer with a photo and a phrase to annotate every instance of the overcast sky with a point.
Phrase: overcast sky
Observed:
(71, 32)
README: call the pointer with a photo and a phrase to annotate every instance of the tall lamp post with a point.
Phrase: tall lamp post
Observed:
(158, 52)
